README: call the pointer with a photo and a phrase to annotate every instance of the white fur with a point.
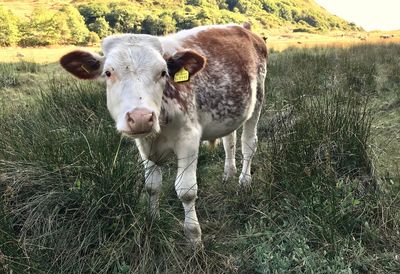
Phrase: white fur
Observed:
(153, 180)
(230, 160)
(253, 98)
(136, 80)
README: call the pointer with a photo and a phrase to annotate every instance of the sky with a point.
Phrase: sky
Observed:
(369, 14)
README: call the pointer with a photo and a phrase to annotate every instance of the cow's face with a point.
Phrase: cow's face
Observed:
(136, 74)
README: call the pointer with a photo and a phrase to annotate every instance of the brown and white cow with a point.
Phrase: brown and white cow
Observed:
(227, 69)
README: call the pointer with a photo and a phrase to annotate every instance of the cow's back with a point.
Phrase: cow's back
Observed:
(225, 88)
(230, 46)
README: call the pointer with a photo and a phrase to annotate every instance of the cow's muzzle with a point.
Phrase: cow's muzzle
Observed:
(140, 121)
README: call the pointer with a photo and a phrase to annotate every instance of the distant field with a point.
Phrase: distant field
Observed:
(41, 55)
(305, 40)
(25, 8)
(52, 54)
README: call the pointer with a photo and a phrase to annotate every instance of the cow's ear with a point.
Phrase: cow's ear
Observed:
(83, 64)
(190, 60)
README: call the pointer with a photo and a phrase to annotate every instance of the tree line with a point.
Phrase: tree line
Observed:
(87, 23)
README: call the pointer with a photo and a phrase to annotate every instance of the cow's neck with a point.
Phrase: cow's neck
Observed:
(176, 108)
(177, 100)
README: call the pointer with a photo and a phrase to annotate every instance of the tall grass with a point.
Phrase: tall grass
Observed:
(73, 199)
(8, 76)
(9, 72)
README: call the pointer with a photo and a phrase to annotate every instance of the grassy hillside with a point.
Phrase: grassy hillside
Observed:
(288, 15)
(326, 178)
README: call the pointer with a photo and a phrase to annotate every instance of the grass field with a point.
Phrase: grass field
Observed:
(276, 42)
(40, 55)
(325, 196)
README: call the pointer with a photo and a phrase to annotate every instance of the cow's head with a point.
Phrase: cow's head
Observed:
(136, 74)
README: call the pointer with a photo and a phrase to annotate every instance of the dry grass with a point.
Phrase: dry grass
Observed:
(41, 55)
(45, 55)
(25, 8)
(281, 42)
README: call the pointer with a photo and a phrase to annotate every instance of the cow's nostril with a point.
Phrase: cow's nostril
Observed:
(129, 118)
(151, 117)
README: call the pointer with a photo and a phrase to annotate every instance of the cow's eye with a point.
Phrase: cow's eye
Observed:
(108, 73)
(163, 73)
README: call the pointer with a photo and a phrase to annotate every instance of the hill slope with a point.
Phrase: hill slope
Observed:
(289, 15)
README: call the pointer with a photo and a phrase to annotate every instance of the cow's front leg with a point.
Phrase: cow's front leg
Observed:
(153, 179)
(186, 184)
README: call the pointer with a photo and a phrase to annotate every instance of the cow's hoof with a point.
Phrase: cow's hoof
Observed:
(193, 234)
(245, 180)
(196, 244)
(229, 173)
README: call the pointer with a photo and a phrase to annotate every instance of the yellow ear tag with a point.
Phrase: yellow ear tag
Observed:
(181, 76)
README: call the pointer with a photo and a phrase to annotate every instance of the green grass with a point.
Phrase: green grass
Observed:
(324, 197)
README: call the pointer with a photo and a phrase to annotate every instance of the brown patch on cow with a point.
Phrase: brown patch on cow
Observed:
(178, 91)
(235, 56)
(182, 92)
(237, 46)
(82, 64)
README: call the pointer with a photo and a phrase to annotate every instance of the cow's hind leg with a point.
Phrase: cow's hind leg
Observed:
(230, 161)
(153, 179)
(249, 137)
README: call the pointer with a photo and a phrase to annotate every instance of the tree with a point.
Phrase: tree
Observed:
(248, 6)
(124, 18)
(78, 31)
(197, 3)
(101, 27)
(92, 39)
(184, 20)
(285, 13)
(205, 16)
(158, 25)
(169, 24)
(92, 12)
(9, 34)
(221, 4)
(152, 25)
(231, 4)
(269, 6)
(44, 28)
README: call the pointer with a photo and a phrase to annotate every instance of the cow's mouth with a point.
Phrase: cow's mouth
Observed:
(137, 135)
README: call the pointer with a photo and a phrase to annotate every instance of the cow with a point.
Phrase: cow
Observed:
(170, 93)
